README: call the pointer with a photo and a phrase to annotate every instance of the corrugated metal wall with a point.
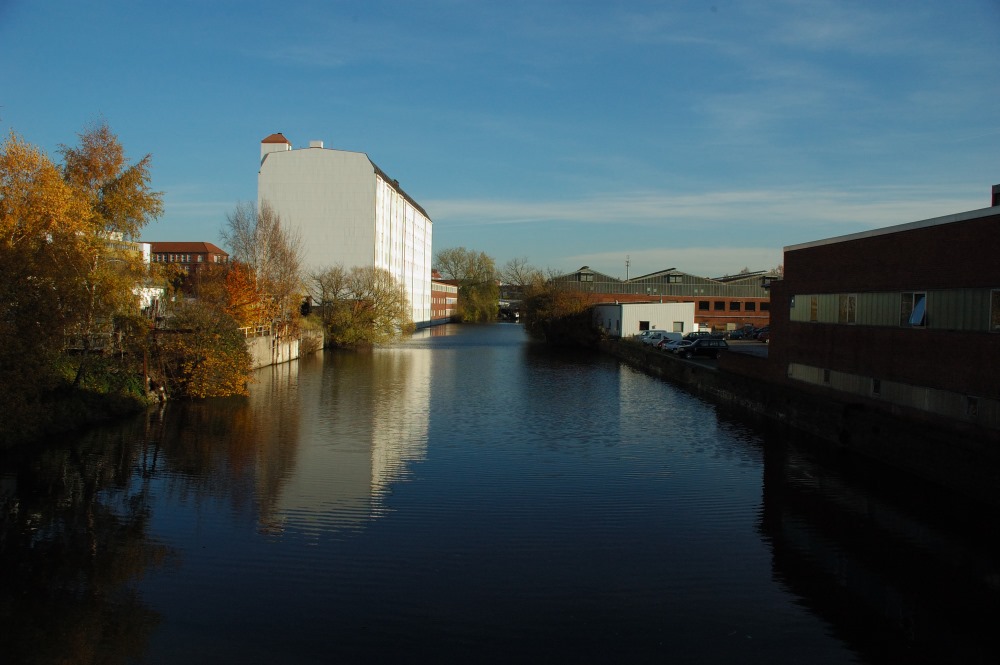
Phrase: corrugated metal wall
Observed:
(950, 309)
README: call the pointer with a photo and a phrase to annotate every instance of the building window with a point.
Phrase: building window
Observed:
(750, 306)
(674, 279)
(913, 310)
(766, 306)
(703, 304)
(584, 277)
(201, 257)
(678, 326)
(995, 311)
(972, 407)
(734, 306)
(644, 325)
(720, 306)
(847, 308)
(813, 309)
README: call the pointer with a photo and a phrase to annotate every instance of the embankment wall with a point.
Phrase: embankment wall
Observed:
(966, 461)
(276, 349)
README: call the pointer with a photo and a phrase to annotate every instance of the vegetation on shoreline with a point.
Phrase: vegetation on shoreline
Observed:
(67, 276)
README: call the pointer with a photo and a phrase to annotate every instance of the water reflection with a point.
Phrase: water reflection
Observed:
(898, 574)
(371, 424)
(467, 498)
(73, 545)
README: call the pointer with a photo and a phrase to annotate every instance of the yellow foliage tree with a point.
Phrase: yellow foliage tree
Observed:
(204, 354)
(64, 264)
(40, 223)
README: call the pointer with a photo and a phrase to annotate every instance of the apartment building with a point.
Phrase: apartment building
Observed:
(349, 213)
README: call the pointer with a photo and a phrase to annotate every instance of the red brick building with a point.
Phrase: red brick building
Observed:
(720, 303)
(444, 298)
(904, 319)
(189, 255)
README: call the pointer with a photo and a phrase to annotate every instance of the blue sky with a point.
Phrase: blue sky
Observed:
(704, 136)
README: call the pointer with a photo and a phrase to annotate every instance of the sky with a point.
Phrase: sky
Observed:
(630, 137)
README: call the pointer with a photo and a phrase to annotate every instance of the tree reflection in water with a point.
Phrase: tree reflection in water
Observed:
(73, 546)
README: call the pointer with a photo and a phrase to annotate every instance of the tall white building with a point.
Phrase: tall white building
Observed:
(350, 213)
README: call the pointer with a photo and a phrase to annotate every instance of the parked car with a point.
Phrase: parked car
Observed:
(669, 344)
(698, 334)
(704, 346)
(658, 336)
(762, 333)
(764, 336)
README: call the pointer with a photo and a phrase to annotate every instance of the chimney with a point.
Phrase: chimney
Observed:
(996, 195)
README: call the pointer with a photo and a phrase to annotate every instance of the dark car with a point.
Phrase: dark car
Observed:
(746, 332)
(703, 346)
(700, 334)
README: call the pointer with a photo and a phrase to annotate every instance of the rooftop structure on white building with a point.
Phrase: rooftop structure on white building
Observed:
(349, 213)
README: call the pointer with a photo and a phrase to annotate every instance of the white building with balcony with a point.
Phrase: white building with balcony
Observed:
(349, 213)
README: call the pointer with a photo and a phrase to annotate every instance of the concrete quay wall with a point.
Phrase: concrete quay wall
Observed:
(268, 350)
(966, 461)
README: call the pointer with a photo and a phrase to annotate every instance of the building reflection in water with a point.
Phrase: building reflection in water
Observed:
(372, 414)
(896, 587)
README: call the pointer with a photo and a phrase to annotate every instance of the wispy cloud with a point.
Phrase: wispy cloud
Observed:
(864, 208)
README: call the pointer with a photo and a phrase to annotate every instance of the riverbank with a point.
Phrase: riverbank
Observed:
(966, 462)
(69, 410)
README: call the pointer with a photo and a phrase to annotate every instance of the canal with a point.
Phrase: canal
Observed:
(466, 497)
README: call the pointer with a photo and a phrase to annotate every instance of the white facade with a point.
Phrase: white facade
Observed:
(628, 319)
(349, 213)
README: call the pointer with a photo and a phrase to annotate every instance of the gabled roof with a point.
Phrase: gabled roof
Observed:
(739, 276)
(186, 247)
(586, 270)
(658, 273)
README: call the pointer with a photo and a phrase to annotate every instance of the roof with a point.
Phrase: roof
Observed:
(187, 248)
(899, 228)
(276, 138)
(395, 185)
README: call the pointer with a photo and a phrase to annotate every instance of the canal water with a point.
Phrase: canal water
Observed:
(466, 497)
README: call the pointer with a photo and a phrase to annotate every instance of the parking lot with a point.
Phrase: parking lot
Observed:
(750, 347)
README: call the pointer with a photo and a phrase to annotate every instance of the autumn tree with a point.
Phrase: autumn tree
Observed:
(65, 265)
(203, 354)
(41, 221)
(272, 252)
(245, 301)
(360, 306)
(120, 202)
(476, 274)
(556, 315)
